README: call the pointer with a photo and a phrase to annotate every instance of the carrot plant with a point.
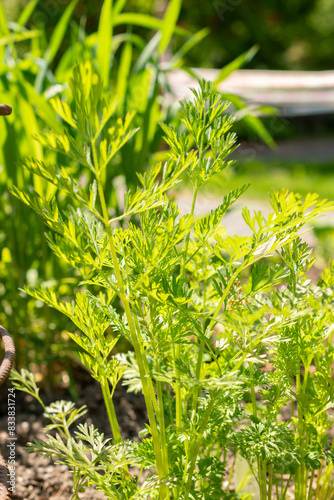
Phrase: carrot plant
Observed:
(35, 67)
(204, 310)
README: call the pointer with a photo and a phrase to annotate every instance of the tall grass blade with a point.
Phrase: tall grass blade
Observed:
(43, 108)
(188, 45)
(27, 12)
(253, 122)
(118, 7)
(124, 71)
(169, 23)
(150, 120)
(30, 125)
(10, 154)
(59, 32)
(4, 31)
(104, 36)
(55, 42)
(236, 64)
(147, 54)
(136, 40)
(146, 21)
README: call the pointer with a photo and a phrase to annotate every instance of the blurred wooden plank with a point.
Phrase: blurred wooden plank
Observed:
(292, 92)
(279, 80)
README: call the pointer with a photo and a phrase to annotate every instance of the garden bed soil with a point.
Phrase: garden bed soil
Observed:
(40, 479)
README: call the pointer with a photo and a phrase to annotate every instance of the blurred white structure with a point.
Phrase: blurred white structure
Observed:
(293, 93)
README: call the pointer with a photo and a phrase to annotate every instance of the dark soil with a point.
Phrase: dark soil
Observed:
(40, 479)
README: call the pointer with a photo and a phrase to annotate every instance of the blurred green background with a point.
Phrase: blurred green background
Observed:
(291, 35)
(134, 45)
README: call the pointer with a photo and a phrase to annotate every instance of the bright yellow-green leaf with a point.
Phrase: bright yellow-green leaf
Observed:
(105, 32)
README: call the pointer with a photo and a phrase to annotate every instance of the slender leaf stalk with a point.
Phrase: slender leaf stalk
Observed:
(263, 482)
(251, 373)
(292, 412)
(195, 446)
(186, 245)
(146, 367)
(301, 468)
(319, 478)
(178, 399)
(162, 428)
(310, 488)
(111, 412)
(143, 375)
(200, 349)
(286, 487)
(177, 350)
(231, 471)
(270, 482)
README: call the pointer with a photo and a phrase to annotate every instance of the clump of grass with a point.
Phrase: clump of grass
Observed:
(164, 283)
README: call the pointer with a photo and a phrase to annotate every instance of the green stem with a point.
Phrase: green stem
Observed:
(282, 486)
(251, 372)
(293, 412)
(178, 400)
(200, 346)
(231, 471)
(162, 429)
(197, 443)
(301, 469)
(326, 491)
(316, 495)
(297, 483)
(330, 491)
(111, 412)
(192, 210)
(65, 433)
(310, 489)
(223, 297)
(177, 350)
(263, 484)
(286, 488)
(198, 374)
(305, 478)
(270, 484)
(164, 490)
(259, 474)
(147, 369)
